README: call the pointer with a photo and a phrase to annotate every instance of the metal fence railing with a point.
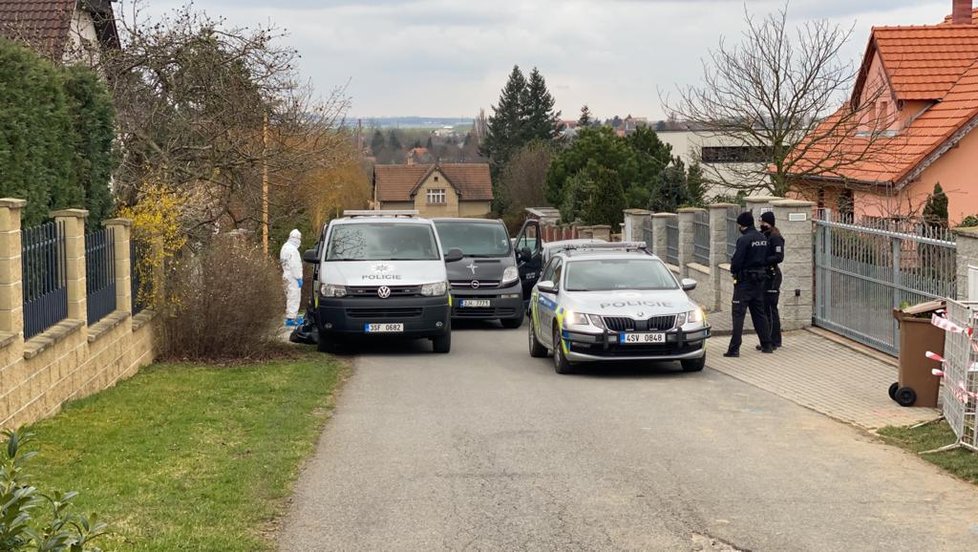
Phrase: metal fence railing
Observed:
(959, 388)
(672, 240)
(100, 283)
(139, 294)
(647, 235)
(866, 268)
(701, 238)
(43, 266)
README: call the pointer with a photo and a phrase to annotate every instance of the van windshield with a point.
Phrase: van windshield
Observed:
(382, 241)
(475, 239)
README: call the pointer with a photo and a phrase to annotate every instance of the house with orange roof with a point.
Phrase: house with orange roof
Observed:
(922, 82)
(435, 190)
(69, 31)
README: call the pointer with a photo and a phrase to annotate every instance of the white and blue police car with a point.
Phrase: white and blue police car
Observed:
(615, 302)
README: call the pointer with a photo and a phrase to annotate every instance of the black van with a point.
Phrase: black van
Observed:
(486, 283)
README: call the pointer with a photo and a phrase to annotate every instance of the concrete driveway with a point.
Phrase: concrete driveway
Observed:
(488, 449)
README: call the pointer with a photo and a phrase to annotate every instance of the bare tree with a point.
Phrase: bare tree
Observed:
(523, 180)
(773, 101)
(204, 108)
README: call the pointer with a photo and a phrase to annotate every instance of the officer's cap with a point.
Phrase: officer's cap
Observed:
(745, 219)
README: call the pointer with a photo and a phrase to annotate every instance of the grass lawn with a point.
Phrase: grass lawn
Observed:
(184, 457)
(961, 462)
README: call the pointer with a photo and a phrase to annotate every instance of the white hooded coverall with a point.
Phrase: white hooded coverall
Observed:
(291, 262)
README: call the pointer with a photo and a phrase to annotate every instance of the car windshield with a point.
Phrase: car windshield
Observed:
(618, 274)
(475, 239)
(382, 241)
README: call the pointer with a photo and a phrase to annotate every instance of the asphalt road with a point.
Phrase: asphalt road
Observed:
(488, 449)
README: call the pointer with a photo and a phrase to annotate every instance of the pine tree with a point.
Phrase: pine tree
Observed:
(393, 142)
(505, 128)
(429, 144)
(377, 142)
(584, 120)
(696, 185)
(935, 211)
(541, 121)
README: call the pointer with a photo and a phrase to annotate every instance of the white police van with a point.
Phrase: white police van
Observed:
(615, 302)
(382, 274)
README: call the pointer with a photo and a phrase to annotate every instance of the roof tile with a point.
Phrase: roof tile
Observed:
(43, 24)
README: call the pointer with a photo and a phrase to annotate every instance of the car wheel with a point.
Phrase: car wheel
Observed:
(537, 350)
(561, 364)
(511, 323)
(694, 365)
(443, 343)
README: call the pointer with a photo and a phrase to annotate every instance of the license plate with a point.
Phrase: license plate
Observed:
(383, 328)
(638, 338)
(470, 303)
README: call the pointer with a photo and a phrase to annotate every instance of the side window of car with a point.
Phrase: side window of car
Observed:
(548, 270)
(558, 271)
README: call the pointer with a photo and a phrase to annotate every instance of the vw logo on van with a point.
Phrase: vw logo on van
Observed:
(383, 292)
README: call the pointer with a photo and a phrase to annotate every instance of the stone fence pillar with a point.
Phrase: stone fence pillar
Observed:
(633, 229)
(11, 269)
(123, 263)
(687, 237)
(794, 220)
(601, 232)
(966, 240)
(74, 228)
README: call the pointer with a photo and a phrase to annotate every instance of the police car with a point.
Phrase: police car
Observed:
(616, 301)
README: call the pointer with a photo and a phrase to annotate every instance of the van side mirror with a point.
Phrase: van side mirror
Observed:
(453, 255)
(547, 286)
(310, 256)
(688, 284)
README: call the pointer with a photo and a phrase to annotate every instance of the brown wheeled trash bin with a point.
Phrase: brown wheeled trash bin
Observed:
(916, 385)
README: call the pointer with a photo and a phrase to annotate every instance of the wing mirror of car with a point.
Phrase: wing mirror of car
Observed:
(688, 284)
(454, 254)
(547, 286)
(310, 256)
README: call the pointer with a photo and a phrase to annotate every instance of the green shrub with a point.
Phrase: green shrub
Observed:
(58, 529)
(56, 135)
(969, 221)
(224, 302)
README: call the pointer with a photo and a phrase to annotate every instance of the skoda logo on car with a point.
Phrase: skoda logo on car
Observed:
(383, 292)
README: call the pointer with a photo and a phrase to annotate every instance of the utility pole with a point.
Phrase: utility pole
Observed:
(264, 184)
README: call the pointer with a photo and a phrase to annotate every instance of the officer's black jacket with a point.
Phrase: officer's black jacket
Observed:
(775, 247)
(751, 252)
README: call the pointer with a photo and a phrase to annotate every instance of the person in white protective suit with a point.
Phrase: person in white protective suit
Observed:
(291, 262)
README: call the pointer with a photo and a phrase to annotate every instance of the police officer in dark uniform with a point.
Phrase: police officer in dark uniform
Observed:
(749, 268)
(775, 256)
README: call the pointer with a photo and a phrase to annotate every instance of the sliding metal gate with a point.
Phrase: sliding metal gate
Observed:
(864, 269)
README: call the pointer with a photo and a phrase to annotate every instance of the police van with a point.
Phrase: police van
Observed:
(382, 274)
(614, 302)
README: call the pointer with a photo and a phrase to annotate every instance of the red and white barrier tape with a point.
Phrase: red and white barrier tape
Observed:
(948, 326)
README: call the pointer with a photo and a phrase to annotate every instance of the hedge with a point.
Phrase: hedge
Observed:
(56, 135)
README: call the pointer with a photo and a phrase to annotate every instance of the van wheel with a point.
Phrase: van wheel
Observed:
(511, 323)
(561, 364)
(443, 343)
(537, 350)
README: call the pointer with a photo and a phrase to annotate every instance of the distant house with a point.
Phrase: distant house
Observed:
(437, 190)
(418, 156)
(66, 31)
(724, 158)
(929, 104)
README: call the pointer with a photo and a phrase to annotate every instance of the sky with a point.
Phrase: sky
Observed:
(449, 58)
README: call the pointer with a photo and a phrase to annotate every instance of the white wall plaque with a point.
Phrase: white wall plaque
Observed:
(797, 217)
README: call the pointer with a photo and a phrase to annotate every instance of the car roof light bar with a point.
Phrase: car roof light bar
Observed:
(391, 213)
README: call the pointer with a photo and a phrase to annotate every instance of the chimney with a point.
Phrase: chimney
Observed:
(961, 12)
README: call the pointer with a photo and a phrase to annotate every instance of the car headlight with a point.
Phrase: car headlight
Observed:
(510, 275)
(330, 290)
(436, 289)
(573, 318)
(696, 316)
